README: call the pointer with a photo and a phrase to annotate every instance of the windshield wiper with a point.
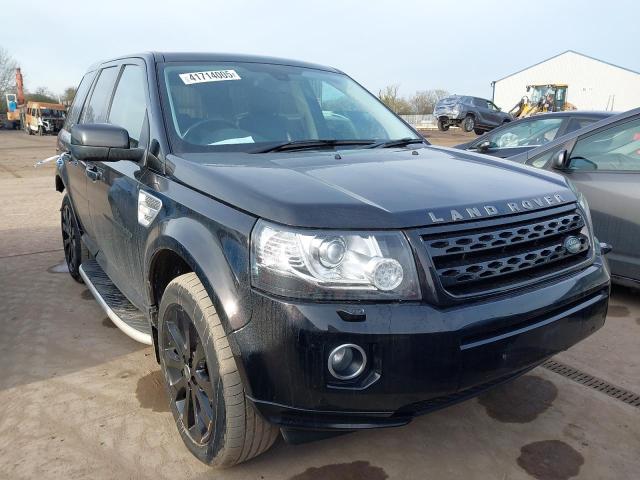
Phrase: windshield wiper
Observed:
(303, 144)
(402, 142)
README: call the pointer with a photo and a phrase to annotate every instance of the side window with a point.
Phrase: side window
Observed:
(78, 101)
(578, 123)
(96, 110)
(129, 102)
(616, 148)
(526, 133)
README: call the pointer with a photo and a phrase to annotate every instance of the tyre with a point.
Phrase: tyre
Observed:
(443, 125)
(74, 250)
(40, 131)
(206, 396)
(469, 123)
(478, 131)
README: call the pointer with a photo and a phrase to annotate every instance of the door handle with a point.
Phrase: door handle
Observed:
(94, 173)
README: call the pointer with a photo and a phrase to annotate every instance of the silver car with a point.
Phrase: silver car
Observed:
(603, 162)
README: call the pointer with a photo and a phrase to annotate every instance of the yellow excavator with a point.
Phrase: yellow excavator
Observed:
(542, 98)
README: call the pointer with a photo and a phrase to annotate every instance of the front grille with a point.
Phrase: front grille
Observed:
(476, 261)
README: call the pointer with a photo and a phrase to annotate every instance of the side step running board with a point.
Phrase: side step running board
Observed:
(120, 310)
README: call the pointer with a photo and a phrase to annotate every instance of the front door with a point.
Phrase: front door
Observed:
(605, 166)
(113, 189)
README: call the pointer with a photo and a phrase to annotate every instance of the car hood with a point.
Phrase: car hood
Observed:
(365, 188)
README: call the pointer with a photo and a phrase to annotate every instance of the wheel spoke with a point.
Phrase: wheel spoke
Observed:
(205, 409)
(176, 338)
(198, 424)
(187, 411)
(185, 329)
(171, 359)
(203, 381)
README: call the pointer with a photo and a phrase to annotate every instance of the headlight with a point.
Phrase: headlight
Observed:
(332, 265)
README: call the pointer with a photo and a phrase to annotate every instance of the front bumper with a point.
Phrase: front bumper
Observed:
(420, 357)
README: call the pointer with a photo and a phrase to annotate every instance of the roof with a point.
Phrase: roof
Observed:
(215, 57)
(563, 53)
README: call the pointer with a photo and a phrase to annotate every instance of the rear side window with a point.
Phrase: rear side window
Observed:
(78, 101)
(578, 123)
(129, 105)
(96, 110)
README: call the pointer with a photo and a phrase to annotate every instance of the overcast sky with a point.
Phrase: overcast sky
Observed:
(458, 45)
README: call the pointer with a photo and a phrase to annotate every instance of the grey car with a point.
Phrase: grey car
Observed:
(603, 162)
(473, 114)
(531, 132)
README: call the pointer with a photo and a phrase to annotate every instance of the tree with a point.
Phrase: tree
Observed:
(68, 95)
(41, 94)
(390, 96)
(7, 77)
(424, 101)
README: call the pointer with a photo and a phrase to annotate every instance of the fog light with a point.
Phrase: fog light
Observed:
(347, 361)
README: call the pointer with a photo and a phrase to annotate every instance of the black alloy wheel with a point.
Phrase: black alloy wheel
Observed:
(71, 239)
(187, 375)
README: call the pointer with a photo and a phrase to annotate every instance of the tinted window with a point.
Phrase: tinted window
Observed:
(78, 101)
(616, 148)
(129, 106)
(96, 110)
(526, 133)
(578, 123)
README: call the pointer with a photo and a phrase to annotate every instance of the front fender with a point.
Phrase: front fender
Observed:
(218, 254)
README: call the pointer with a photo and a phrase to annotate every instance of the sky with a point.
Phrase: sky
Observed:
(459, 46)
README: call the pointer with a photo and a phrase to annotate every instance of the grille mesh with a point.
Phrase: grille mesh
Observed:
(471, 262)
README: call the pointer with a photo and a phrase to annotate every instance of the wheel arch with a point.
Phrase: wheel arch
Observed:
(183, 245)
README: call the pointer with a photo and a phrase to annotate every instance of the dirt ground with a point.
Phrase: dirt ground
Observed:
(81, 400)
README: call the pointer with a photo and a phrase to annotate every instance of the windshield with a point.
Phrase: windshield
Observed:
(525, 133)
(49, 112)
(245, 106)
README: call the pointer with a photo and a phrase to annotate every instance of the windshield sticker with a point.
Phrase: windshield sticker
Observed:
(210, 76)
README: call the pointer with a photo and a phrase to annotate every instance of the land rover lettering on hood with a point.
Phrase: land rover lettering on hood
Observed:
(303, 262)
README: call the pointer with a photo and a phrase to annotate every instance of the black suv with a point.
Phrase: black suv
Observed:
(473, 114)
(300, 259)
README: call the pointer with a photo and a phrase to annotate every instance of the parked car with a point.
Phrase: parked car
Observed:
(302, 260)
(473, 114)
(531, 132)
(603, 162)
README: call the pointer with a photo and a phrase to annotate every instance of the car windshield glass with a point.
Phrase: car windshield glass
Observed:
(248, 107)
(49, 112)
(526, 133)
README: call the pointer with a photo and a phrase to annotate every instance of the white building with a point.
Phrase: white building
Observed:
(592, 83)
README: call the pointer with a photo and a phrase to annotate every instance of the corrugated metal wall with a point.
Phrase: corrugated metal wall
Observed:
(593, 85)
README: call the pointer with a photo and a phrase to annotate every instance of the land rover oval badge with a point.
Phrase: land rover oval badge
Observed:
(572, 244)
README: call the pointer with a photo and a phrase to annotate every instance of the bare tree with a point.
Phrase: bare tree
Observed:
(424, 101)
(41, 94)
(68, 95)
(390, 96)
(7, 76)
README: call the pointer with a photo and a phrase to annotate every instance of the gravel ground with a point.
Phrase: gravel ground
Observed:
(80, 399)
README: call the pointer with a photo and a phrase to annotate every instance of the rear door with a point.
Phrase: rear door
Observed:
(113, 186)
(76, 179)
(605, 166)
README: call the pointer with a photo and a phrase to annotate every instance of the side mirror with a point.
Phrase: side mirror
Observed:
(484, 146)
(560, 160)
(102, 142)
